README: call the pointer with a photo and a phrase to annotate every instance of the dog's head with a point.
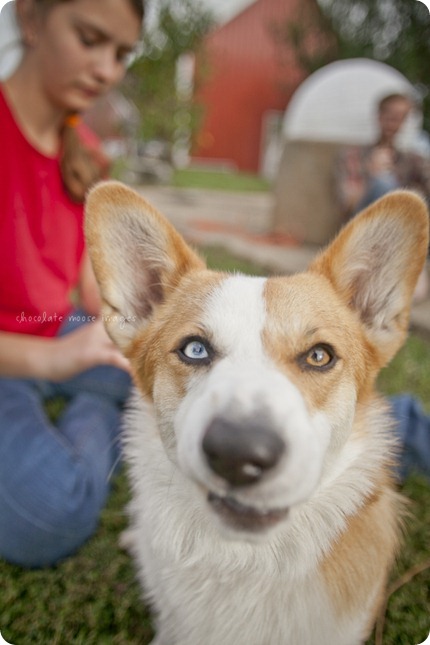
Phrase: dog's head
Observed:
(255, 382)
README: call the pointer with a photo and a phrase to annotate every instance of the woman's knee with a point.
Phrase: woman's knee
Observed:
(36, 532)
(52, 485)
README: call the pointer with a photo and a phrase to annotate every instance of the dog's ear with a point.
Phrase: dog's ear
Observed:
(374, 264)
(136, 254)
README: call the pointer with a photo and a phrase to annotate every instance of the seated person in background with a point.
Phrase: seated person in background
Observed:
(365, 173)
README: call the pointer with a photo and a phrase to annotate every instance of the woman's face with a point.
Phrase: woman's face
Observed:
(80, 49)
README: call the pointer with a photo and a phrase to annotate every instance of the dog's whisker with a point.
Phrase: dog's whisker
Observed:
(276, 558)
(116, 445)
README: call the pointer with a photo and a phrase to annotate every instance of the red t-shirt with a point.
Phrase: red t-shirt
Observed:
(41, 236)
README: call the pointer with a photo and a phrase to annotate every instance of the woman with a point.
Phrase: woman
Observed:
(54, 478)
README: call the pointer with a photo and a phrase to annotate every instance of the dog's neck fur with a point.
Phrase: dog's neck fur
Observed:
(311, 529)
(291, 560)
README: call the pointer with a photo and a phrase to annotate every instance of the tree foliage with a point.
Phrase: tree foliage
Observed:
(179, 27)
(396, 32)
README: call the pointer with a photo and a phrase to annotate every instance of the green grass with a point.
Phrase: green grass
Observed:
(409, 371)
(217, 180)
(217, 258)
(93, 598)
(407, 619)
(208, 179)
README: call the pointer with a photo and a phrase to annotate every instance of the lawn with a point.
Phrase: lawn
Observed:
(93, 598)
(218, 180)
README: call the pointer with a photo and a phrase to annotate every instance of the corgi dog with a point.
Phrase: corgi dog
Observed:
(260, 456)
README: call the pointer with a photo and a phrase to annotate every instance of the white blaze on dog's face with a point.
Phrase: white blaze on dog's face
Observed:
(268, 384)
(254, 381)
(243, 425)
(273, 385)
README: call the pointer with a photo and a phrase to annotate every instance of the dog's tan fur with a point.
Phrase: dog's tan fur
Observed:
(319, 575)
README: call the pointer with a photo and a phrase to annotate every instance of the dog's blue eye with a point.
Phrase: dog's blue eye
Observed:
(195, 350)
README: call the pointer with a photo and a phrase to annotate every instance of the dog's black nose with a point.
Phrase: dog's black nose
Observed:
(241, 453)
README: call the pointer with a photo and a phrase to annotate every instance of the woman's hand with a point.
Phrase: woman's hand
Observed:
(82, 349)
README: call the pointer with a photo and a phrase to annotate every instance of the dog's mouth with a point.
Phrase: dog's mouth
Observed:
(245, 518)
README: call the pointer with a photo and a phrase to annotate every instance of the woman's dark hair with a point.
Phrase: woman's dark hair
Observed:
(80, 166)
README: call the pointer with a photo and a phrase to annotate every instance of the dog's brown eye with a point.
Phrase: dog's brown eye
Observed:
(318, 357)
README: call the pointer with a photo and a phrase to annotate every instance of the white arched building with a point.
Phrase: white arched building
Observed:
(337, 105)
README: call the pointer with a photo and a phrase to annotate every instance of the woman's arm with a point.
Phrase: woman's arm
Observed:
(24, 356)
(57, 359)
(89, 294)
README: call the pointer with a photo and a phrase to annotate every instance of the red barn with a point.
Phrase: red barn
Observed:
(247, 80)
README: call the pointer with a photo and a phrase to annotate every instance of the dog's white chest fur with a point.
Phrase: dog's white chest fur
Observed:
(219, 591)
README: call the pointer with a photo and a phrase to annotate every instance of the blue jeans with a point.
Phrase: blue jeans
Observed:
(378, 187)
(413, 431)
(54, 479)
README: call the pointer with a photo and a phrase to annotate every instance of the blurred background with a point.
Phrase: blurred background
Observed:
(266, 88)
(214, 79)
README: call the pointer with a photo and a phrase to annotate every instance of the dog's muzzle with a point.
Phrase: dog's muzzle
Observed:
(242, 455)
